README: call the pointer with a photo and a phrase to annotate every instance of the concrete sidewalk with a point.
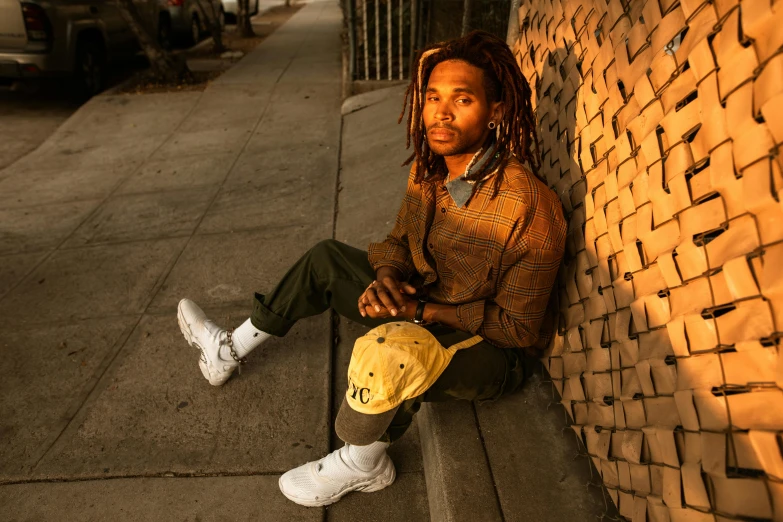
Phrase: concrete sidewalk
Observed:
(135, 202)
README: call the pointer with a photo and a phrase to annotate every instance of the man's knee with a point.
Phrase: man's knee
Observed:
(322, 253)
(328, 259)
(324, 248)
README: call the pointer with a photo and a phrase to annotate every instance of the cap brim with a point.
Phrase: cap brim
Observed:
(361, 429)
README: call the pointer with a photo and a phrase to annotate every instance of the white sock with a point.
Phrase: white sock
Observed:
(247, 338)
(367, 457)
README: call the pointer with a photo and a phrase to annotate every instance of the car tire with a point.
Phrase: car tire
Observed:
(195, 30)
(164, 32)
(90, 71)
(222, 19)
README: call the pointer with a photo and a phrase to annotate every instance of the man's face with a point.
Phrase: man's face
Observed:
(456, 111)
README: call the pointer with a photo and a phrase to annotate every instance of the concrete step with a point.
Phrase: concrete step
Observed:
(371, 185)
(513, 459)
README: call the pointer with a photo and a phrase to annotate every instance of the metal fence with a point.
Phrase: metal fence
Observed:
(384, 35)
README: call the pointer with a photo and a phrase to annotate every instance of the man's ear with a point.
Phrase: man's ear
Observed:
(497, 111)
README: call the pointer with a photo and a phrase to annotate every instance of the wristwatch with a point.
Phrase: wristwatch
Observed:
(418, 317)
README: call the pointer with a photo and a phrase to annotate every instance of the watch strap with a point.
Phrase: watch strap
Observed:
(418, 317)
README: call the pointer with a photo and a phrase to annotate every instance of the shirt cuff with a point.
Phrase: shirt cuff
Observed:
(402, 267)
(471, 315)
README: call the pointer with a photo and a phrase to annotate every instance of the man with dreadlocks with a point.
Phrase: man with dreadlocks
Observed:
(472, 257)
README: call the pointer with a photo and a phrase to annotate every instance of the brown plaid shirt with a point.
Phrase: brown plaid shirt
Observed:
(495, 259)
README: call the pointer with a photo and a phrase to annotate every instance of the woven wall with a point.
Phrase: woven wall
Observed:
(660, 124)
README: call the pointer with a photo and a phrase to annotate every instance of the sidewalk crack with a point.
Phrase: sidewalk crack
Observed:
(489, 464)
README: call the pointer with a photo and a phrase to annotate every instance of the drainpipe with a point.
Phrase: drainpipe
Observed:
(467, 11)
(351, 42)
(513, 23)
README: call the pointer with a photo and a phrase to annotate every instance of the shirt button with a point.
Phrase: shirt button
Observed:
(443, 209)
(431, 245)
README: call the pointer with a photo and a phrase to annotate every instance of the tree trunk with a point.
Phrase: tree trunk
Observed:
(214, 25)
(164, 65)
(244, 27)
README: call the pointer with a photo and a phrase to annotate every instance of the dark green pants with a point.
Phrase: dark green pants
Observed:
(334, 275)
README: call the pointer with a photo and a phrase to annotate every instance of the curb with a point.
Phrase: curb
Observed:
(358, 102)
(203, 43)
(114, 90)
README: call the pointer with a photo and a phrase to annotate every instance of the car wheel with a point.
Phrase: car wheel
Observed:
(222, 19)
(164, 32)
(195, 30)
(90, 68)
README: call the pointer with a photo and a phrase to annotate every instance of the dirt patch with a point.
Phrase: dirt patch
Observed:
(144, 83)
(205, 64)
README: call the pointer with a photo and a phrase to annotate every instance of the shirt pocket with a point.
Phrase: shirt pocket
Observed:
(469, 274)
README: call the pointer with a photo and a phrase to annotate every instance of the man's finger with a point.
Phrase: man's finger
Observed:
(386, 298)
(375, 302)
(391, 286)
(375, 315)
(368, 312)
(408, 289)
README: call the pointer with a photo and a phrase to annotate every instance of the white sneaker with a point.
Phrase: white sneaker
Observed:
(326, 481)
(208, 338)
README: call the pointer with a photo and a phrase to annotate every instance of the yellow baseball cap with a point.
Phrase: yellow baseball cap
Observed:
(391, 363)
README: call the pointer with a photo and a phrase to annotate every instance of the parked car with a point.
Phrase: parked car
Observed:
(156, 17)
(188, 19)
(41, 39)
(77, 38)
(230, 9)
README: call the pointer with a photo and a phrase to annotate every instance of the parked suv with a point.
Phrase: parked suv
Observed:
(59, 38)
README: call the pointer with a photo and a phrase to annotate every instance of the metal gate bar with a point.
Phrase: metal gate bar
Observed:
(370, 61)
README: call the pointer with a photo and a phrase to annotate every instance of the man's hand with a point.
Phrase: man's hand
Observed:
(387, 295)
(406, 311)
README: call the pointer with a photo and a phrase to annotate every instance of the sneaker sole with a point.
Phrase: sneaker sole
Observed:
(184, 327)
(370, 486)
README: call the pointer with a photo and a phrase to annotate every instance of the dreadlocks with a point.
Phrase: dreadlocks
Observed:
(503, 81)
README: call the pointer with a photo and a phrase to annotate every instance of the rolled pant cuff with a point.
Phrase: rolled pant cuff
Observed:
(266, 320)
